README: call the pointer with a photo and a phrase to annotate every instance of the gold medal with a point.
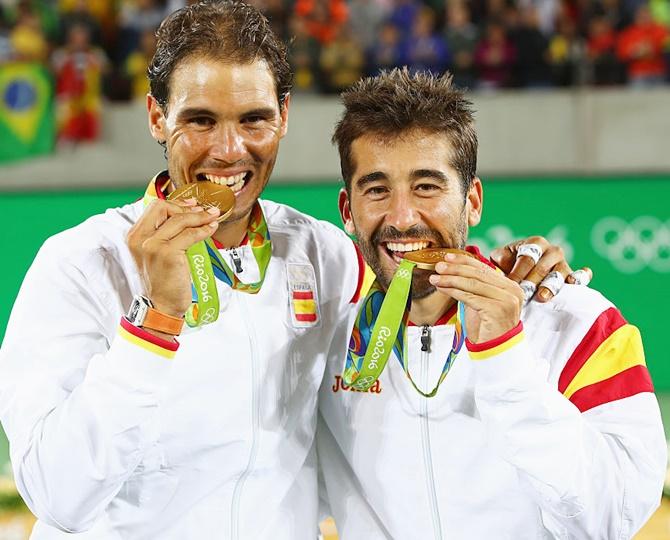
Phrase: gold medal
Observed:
(426, 259)
(208, 195)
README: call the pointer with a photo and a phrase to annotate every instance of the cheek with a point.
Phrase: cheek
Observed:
(263, 142)
(189, 143)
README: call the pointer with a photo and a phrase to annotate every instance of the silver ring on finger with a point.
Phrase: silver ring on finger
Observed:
(581, 277)
(528, 288)
(529, 250)
(554, 282)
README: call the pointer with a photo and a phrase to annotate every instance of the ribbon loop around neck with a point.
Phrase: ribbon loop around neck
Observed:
(380, 328)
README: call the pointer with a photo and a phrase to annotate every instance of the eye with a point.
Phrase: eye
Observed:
(253, 119)
(202, 121)
(376, 190)
(427, 187)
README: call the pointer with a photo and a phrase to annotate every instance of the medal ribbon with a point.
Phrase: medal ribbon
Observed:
(380, 317)
(206, 264)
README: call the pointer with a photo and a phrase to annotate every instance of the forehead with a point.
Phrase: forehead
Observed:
(397, 156)
(208, 83)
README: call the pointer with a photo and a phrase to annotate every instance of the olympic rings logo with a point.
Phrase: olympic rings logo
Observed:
(403, 273)
(632, 247)
(363, 383)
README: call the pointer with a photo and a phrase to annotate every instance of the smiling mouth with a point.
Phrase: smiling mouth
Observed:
(235, 182)
(397, 250)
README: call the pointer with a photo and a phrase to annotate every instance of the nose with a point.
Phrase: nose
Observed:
(228, 145)
(401, 212)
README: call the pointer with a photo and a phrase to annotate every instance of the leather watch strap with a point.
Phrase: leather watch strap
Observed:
(160, 322)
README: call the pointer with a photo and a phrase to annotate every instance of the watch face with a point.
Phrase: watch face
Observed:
(138, 311)
(134, 310)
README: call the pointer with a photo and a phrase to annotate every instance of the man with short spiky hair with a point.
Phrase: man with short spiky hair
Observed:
(487, 427)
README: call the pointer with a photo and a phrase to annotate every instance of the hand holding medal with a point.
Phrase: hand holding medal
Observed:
(166, 231)
(381, 324)
(212, 198)
(492, 306)
(492, 301)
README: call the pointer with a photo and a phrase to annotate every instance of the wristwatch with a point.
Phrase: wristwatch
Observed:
(143, 314)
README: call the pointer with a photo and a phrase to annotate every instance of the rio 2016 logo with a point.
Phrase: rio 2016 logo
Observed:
(632, 247)
(203, 278)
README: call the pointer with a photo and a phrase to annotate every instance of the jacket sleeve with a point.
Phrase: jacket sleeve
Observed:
(591, 451)
(78, 401)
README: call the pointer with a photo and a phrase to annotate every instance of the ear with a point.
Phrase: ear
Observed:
(156, 119)
(345, 212)
(284, 115)
(475, 202)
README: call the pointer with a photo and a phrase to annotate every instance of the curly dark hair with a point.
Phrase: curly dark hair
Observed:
(397, 101)
(226, 30)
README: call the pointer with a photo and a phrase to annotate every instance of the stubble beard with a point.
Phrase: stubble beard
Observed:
(421, 287)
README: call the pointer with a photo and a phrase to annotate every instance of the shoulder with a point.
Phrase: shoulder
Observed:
(93, 245)
(297, 236)
(574, 310)
(595, 355)
(287, 221)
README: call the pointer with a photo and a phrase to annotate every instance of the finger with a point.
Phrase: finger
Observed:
(474, 269)
(528, 255)
(182, 241)
(544, 293)
(188, 237)
(529, 288)
(504, 257)
(470, 285)
(550, 286)
(480, 304)
(157, 213)
(523, 264)
(550, 259)
(583, 276)
(178, 223)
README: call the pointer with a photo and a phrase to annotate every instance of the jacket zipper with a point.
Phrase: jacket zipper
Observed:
(425, 435)
(255, 424)
(237, 262)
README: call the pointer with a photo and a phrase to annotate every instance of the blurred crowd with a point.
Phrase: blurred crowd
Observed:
(102, 47)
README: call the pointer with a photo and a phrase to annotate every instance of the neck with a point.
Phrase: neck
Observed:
(428, 310)
(231, 233)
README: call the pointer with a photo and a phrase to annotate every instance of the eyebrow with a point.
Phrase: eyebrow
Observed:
(191, 112)
(369, 178)
(430, 173)
(195, 111)
(265, 112)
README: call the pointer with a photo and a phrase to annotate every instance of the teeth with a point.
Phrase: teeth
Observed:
(230, 181)
(412, 246)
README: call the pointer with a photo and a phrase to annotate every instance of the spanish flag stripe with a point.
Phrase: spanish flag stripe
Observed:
(608, 321)
(303, 295)
(305, 317)
(620, 351)
(304, 306)
(498, 349)
(629, 382)
(146, 345)
(361, 275)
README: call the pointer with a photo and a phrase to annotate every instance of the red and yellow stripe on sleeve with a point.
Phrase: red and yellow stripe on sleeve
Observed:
(607, 365)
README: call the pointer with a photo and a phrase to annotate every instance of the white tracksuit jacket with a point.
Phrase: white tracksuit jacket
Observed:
(552, 433)
(111, 439)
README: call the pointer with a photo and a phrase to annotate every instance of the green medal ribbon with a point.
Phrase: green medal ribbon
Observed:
(381, 327)
(387, 323)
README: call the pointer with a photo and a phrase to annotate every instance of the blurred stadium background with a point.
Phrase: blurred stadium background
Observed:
(573, 114)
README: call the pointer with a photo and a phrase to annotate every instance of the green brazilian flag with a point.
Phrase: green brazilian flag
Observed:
(27, 124)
